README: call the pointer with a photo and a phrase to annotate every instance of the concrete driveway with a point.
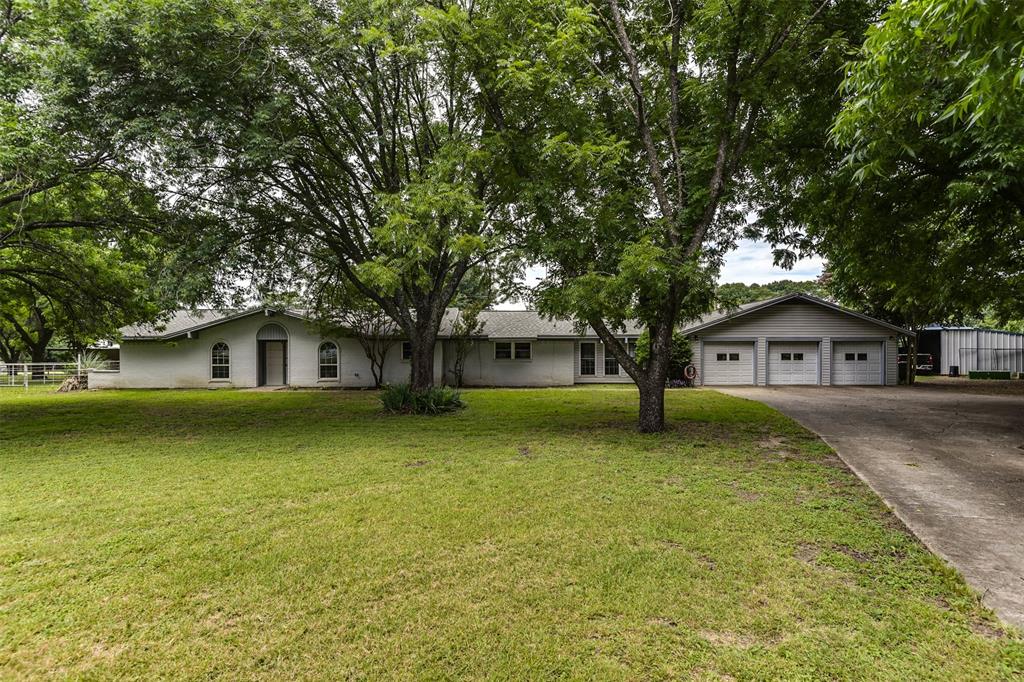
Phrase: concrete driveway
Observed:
(950, 463)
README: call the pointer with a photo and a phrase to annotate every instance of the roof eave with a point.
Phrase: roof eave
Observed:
(230, 318)
(797, 296)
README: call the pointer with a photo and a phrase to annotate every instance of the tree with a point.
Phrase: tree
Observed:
(681, 354)
(83, 239)
(339, 308)
(466, 327)
(916, 205)
(738, 293)
(637, 128)
(70, 286)
(933, 125)
(338, 140)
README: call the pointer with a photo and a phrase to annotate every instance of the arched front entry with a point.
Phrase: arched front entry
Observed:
(272, 351)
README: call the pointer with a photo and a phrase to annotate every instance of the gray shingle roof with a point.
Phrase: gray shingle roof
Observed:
(179, 322)
(498, 324)
(529, 324)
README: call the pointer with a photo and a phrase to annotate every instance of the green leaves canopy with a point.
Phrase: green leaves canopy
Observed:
(640, 131)
(77, 223)
(339, 140)
(933, 132)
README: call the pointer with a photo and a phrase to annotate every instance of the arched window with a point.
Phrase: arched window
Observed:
(328, 360)
(220, 361)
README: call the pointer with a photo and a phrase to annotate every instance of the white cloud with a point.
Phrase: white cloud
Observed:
(751, 263)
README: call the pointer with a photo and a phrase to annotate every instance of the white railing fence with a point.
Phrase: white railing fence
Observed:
(27, 374)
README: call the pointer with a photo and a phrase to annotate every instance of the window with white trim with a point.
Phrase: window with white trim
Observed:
(862, 357)
(798, 357)
(523, 350)
(734, 357)
(220, 361)
(406, 350)
(721, 357)
(502, 350)
(787, 356)
(588, 359)
(328, 355)
(611, 365)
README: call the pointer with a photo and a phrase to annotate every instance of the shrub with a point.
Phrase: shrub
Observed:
(400, 398)
(681, 353)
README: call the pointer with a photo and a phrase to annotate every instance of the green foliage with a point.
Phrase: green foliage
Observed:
(93, 360)
(737, 293)
(939, 73)
(932, 130)
(336, 141)
(680, 354)
(402, 398)
(637, 132)
(80, 254)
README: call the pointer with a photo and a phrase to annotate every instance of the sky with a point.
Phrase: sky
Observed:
(750, 263)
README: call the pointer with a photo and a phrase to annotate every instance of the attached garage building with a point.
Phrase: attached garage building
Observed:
(794, 339)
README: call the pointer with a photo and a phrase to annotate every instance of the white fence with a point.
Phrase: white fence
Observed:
(25, 374)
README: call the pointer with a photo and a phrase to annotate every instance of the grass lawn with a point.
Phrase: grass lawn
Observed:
(535, 535)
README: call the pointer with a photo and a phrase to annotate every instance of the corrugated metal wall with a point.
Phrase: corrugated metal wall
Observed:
(981, 349)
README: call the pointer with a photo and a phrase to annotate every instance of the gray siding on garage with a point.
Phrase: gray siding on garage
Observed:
(804, 320)
(795, 319)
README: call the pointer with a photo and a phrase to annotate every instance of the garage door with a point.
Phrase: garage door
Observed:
(857, 363)
(728, 363)
(792, 363)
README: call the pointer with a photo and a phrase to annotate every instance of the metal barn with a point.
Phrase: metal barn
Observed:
(971, 348)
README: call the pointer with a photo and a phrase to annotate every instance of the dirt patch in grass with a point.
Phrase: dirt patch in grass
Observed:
(107, 652)
(807, 552)
(855, 554)
(987, 630)
(747, 495)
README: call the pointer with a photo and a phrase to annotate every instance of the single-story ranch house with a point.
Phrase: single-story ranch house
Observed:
(792, 339)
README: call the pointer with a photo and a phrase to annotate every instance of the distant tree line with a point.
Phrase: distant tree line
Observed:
(737, 293)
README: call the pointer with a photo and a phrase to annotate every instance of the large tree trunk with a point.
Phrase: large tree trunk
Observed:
(421, 373)
(38, 357)
(652, 407)
(650, 379)
(652, 384)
